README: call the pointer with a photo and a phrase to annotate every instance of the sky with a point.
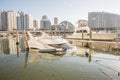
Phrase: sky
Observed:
(69, 10)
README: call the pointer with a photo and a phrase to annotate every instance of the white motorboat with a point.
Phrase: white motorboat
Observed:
(46, 43)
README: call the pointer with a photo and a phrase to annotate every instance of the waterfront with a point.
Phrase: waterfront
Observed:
(18, 64)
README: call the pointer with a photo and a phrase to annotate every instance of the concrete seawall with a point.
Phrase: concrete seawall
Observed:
(94, 36)
(98, 45)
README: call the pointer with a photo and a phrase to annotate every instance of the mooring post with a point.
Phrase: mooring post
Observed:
(82, 38)
(25, 40)
(17, 42)
(90, 37)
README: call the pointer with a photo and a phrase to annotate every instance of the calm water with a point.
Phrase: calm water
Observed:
(17, 64)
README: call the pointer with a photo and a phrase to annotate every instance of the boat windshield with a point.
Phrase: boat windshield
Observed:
(80, 31)
(66, 46)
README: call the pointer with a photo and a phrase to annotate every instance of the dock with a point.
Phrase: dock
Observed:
(100, 45)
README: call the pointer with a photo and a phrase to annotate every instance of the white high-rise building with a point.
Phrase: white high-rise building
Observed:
(36, 24)
(28, 22)
(11, 20)
(103, 21)
(8, 20)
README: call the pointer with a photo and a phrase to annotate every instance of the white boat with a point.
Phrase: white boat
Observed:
(85, 33)
(46, 43)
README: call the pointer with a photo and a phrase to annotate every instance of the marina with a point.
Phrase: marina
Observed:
(32, 64)
(59, 40)
(102, 40)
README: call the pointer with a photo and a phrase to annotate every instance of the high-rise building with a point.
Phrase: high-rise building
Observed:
(20, 21)
(11, 20)
(28, 22)
(24, 21)
(8, 20)
(44, 17)
(4, 25)
(103, 21)
(45, 23)
(55, 25)
(55, 21)
(36, 24)
(0, 21)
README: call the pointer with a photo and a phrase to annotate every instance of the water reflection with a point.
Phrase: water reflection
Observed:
(18, 51)
(36, 56)
(90, 56)
(55, 66)
(26, 59)
(7, 46)
(84, 52)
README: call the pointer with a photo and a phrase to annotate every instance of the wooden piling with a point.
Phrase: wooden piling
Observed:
(17, 42)
(82, 38)
(25, 40)
(90, 37)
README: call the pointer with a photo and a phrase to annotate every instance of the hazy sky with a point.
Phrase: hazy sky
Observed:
(70, 10)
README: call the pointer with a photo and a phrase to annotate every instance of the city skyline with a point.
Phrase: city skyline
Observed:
(12, 20)
(70, 10)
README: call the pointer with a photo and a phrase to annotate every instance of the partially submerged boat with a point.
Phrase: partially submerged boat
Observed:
(46, 43)
(36, 56)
